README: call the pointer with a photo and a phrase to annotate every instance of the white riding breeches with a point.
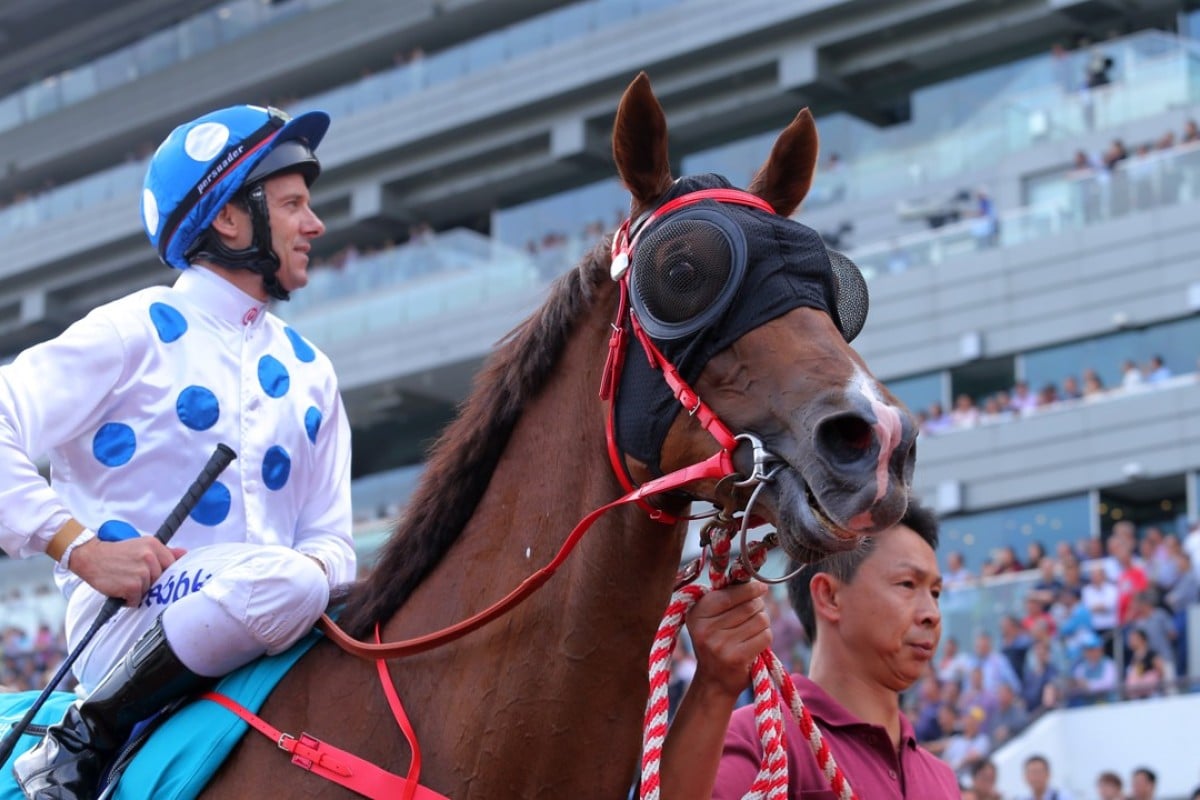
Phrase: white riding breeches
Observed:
(222, 606)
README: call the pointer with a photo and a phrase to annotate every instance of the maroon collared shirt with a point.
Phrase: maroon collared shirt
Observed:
(874, 768)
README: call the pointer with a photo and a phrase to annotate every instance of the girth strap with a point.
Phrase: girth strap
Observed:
(332, 763)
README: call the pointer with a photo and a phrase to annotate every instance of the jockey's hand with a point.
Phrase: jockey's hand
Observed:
(729, 628)
(125, 569)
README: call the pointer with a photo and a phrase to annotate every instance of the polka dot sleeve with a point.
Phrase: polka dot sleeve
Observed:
(50, 394)
(326, 520)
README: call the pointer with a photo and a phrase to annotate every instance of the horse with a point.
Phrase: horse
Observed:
(547, 701)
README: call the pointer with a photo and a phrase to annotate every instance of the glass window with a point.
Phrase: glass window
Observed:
(1191, 25)
(565, 216)
(526, 37)
(191, 37)
(10, 112)
(42, 98)
(647, 6)
(1049, 191)
(38, 208)
(89, 191)
(113, 70)
(125, 181)
(1158, 502)
(238, 18)
(336, 103)
(615, 10)
(9, 222)
(444, 66)
(981, 379)
(276, 10)
(1106, 355)
(571, 22)
(920, 391)
(406, 79)
(367, 92)
(737, 161)
(1193, 510)
(383, 493)
(1048, 522)
(486, 51)
(157, 51)
(78, 84)
(1176, 342)
(64, 202)
(969, 122)
(198, 35)
(946, 107)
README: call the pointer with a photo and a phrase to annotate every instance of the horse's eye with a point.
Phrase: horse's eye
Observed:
(684, 272)
(681, 275)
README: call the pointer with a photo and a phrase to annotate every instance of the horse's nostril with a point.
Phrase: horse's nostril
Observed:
(845, 439)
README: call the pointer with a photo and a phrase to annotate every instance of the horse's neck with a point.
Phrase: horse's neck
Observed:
(553, 472)
(573, 657)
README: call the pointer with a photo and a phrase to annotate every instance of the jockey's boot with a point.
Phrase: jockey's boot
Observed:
(68, 763)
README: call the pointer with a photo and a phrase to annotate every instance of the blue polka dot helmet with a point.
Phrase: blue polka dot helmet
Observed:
(203, 163)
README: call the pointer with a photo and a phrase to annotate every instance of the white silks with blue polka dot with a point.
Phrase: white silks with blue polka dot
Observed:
(222, 606)
(128, 403)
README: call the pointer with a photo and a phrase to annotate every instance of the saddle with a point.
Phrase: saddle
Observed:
(173, 755)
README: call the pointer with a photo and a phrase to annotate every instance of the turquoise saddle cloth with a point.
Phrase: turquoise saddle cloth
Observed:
(181, 754)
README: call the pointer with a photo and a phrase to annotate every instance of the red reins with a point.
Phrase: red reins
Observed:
(717, 466)
(366, 779)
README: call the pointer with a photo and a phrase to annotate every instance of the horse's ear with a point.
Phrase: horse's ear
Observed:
(640, 143)
(787, 175)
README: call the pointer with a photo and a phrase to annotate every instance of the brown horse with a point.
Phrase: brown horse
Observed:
(547, 702)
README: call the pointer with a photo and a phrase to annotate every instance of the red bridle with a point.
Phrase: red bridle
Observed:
(720, 464)
(374, 782)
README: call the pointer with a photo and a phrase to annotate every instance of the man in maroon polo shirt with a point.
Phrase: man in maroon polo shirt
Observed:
(872, 615)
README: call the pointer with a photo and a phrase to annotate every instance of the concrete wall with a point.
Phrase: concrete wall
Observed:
(1050, 290)
(1066, 451)
(1159, 733)
(280, 59)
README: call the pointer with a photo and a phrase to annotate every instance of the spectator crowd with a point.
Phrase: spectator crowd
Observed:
(1097, 623)
(1095, 626)
(1023, 401)
(1122, 178)
(30, 658)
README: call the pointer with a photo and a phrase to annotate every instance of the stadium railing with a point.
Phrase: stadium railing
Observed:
(1166, 68)
(1069, 201)
(192, 37)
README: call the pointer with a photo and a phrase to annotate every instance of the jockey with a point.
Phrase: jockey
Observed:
(160, 377)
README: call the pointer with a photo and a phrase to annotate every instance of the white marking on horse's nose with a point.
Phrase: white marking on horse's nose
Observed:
(888, 429)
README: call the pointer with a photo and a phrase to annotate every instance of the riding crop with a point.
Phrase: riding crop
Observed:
(219, 460)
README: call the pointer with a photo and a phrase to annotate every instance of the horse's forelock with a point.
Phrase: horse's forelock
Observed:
(462, 460)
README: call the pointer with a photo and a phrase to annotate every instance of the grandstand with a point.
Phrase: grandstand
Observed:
(467, 166)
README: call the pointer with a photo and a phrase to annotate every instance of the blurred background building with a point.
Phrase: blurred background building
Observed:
(1020, 181)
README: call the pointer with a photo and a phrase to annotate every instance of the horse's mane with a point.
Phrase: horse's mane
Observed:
(462, 460)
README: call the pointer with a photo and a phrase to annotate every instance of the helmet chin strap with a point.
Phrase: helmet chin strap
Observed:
(258, 257)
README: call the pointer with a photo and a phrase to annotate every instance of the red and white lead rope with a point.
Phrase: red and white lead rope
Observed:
(773, 689)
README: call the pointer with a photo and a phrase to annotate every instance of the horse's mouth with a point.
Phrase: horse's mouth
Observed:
(806, 531)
